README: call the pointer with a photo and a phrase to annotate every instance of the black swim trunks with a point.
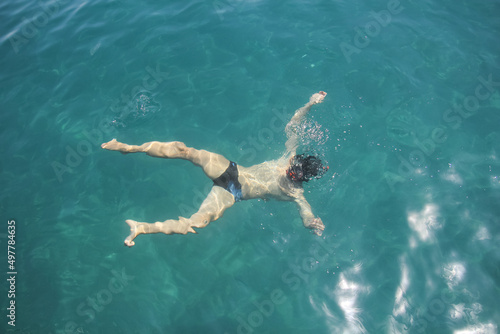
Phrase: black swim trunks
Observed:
(229, 181)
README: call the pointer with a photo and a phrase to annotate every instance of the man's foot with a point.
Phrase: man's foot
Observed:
(115, 145)
(133, 232)
(112, 145)
(317, 98)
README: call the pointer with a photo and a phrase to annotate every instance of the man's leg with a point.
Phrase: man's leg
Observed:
(213, 164)
(212, 208)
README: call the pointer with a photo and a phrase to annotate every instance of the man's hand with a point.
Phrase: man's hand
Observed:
(316, 224)
(317, 98)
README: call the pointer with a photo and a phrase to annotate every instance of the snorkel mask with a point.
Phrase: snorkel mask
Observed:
(304, 168)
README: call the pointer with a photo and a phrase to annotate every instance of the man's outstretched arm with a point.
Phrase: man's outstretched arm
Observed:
(308, 218)
(297, 119)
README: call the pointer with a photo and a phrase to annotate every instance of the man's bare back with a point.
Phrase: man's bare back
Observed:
(279, 179)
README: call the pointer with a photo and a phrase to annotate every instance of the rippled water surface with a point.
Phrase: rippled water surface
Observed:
(410, 130)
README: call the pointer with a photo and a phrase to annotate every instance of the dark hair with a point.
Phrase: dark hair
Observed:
(305, 168)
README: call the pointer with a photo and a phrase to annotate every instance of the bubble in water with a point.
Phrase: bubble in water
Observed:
(145, 104)
(142, 105)
(311, 132)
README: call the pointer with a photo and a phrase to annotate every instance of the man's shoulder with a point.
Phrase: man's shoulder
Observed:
(292, 189)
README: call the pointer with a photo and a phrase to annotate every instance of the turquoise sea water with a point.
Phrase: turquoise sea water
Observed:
(410, 129)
